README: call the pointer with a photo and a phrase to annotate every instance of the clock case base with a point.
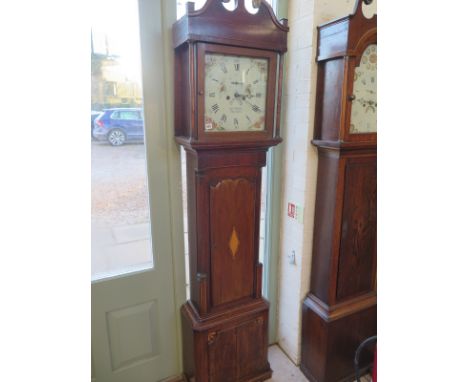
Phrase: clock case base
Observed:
(228, 347)
(331, 337)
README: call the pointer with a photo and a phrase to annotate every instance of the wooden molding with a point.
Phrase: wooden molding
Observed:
(215, 24)
(177, 378)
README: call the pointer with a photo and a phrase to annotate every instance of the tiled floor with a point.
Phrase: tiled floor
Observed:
(285, 371)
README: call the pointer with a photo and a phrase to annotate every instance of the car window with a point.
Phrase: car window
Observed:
(115, 115)
(129, 114)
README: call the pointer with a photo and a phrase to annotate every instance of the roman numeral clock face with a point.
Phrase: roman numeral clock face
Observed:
(235, 93)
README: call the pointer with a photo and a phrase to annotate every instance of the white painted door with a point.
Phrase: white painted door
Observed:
(138, 281)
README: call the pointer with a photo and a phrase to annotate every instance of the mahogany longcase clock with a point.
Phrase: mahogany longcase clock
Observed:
(228, 70)
(340, 310)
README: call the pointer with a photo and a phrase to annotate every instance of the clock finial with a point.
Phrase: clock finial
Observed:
(256, 3)
(359, 8)
(190, 7)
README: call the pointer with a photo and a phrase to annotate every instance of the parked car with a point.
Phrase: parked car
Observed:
(119, 125)
(94, 115)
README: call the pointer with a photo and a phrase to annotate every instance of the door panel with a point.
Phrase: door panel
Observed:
(133, 331)
(251, 353)
(223, 356)
(135, 336)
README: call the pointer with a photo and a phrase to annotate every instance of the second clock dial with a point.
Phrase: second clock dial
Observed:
(235, 93)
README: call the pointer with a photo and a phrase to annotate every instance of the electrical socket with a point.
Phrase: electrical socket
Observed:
(292, 258)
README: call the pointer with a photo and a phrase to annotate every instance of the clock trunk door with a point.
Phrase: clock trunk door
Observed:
(233, 220)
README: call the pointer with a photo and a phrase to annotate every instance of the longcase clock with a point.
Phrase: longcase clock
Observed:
(341, 307)
(228, 70)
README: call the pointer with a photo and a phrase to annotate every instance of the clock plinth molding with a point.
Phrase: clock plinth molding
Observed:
(225, 322)
(340, 310)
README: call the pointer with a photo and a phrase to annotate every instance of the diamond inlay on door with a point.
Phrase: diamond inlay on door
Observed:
(234, 243)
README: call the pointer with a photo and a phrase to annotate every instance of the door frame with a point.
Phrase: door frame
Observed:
(158, 98)
(273, 214)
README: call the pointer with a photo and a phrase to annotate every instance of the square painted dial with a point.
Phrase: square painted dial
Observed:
(364, 104)
(235, 93)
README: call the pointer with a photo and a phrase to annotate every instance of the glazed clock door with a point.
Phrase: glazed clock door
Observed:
(364, 98)
(134, 311)
(361, 110)
(236, 92)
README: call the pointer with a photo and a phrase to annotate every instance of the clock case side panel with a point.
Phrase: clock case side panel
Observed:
(198, 278)
(185, 91)
(233, 136)
(330, 97)
(326, 210)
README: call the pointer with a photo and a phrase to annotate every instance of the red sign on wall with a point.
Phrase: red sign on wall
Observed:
(291, 210)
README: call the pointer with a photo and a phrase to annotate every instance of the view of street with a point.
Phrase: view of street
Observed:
(119, 184)
(119, 209)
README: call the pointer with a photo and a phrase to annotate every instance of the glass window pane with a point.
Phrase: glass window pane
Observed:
(120, 217)
(129, 114)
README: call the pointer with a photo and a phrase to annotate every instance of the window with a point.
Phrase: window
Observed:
(129, 114)
(120, 216)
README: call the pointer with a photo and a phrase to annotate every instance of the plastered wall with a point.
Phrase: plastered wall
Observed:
(300, 161)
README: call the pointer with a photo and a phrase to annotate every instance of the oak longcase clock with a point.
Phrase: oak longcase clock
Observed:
(228, 71)
(340, 310)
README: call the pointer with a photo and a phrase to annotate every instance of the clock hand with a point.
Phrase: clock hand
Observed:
(253, 106)
(243, 96)
(239, 97)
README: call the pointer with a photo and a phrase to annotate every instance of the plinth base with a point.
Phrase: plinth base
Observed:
(231, 346)
(330, 337)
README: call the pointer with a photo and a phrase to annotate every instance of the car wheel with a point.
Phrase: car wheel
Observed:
(116, 137)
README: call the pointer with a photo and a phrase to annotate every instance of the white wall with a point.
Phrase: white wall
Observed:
(300, 161)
